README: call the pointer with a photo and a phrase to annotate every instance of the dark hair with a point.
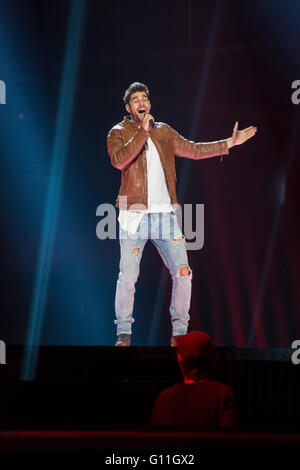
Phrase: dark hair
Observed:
(195, 366)
(133, 88)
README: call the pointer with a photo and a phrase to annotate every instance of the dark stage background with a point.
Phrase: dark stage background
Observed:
(66, 66)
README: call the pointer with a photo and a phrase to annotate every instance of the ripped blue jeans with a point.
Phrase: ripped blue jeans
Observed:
(164, 232)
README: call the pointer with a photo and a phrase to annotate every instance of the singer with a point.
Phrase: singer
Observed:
(144, 151)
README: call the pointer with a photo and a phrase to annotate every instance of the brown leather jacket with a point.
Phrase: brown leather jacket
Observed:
(127, 144)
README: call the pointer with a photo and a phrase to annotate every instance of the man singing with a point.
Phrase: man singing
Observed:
(144, 151)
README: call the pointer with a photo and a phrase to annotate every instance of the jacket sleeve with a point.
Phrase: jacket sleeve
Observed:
(122, 154)
(189, 149)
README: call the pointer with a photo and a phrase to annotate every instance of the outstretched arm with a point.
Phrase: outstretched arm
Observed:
(198, 150)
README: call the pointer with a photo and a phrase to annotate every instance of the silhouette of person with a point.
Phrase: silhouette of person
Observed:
(198, 402)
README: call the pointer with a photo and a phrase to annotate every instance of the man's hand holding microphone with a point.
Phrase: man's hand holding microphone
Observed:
(148, 122)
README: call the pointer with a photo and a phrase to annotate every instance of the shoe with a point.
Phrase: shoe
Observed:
(174, 339)
(124, 339)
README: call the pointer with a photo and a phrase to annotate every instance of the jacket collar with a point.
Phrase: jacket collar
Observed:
(129, 124)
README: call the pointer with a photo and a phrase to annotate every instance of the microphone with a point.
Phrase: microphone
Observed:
(152, 123)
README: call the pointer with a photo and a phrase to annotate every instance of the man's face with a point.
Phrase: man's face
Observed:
(138, 106)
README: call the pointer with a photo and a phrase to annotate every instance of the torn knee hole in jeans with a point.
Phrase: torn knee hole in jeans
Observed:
(183, 271)
(135, 250)
(177, 239)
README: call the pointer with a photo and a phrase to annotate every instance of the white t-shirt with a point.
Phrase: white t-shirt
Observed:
(158, 195)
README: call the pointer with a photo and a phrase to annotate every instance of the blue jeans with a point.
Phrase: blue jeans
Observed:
(162, 229)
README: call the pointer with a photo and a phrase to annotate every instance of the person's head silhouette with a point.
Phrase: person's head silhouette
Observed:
(196, 355)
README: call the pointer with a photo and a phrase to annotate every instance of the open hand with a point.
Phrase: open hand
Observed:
(239, 137)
